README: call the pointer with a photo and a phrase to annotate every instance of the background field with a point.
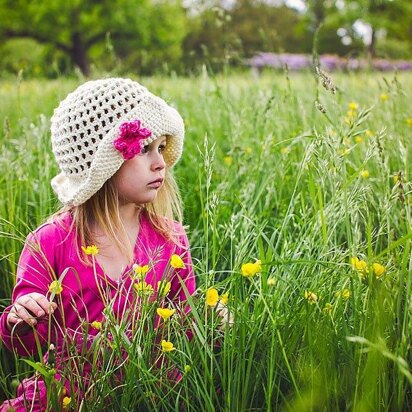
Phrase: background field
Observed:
(279, 169)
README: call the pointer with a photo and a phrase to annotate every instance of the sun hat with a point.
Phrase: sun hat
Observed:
(100, 125)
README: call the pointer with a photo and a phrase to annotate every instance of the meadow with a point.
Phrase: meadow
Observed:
(308, 175)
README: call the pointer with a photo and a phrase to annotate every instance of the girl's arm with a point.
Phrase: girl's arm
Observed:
(34, 275)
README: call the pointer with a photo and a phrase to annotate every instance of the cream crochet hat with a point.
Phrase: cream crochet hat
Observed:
(88, 121)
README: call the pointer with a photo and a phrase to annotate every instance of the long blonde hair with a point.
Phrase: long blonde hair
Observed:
(103, 209)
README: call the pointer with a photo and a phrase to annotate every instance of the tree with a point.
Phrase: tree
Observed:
(75, 26)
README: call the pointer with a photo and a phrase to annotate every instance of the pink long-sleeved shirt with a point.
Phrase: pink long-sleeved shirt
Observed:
(50, 250)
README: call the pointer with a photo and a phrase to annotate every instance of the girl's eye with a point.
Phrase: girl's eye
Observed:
(162, 148)
(145, 149)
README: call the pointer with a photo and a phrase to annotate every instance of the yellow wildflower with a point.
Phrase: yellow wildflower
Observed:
(140, 271)
(90, 250)
(378, 270)
(369, 133)
(359, 265)
(188, 368)
(328, 308)
(163, 287)
(96, 325)
(212, 297)
(143, 288)
(285, 150)
(409, 121)
(167, 346)
(358, 139)
(353, 106)
(271, 282)
(176, 262)
(383, 97)
(364, 174)
(351, 114)
(345, 294)
(311, 297)
(165, 313)
(251, 269)
(56, 287)
(66, 401)
(248, 151)
(224, 298)
(395, 178)
(228, 160)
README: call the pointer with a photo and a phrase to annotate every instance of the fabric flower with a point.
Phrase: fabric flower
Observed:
(176, 262)
(212, 297)
(56, 287)
(131, 139)
(165, 313)
(90, 250)
(167, 346)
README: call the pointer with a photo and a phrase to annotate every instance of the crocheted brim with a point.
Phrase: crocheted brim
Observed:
(73, 190)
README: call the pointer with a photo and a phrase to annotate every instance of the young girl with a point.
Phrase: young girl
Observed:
(115, 144)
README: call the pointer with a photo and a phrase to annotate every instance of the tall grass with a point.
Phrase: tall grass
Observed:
(275, 169)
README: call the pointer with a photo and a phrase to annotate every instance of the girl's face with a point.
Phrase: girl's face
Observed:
(139, 179)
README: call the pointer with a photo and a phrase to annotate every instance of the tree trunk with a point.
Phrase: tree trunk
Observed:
(372, 45)
(79, 54)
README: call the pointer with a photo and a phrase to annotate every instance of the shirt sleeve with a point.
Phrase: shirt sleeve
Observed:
(35, 271)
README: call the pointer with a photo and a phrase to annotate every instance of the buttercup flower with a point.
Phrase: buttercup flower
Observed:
(66, 401)
(165, 313)
(359, 265)
(96, 325)
(384, 97)
(353, 106)
(271, 282)
(176, 262)
(212, 297)
(358, 139)
(140, 271)
(188, 368)
(311, 297)
(378, 270)
(56, 287)
(345, 294)
(131, 139)
(364, 174)
(328, 308)
(228, 160)
(90, 250)
(167, 346)
(163, 287)
(251, 269)
(224, 298)
(248, 151)
(409, 121)
(144, 289)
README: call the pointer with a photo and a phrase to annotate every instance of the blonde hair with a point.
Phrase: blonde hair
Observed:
(103, 209)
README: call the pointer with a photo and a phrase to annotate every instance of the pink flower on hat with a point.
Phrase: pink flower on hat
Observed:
(131, 139)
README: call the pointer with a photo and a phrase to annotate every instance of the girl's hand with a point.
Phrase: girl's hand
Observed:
(27, 309)
(227, 317)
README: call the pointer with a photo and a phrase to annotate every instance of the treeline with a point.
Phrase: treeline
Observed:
(56, 37)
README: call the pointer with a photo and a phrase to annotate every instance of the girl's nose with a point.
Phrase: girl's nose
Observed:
(158, 161)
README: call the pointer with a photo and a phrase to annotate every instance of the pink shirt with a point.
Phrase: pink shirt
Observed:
(50, 250)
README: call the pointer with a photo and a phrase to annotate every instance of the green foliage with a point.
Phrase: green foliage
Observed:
(273, 169)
